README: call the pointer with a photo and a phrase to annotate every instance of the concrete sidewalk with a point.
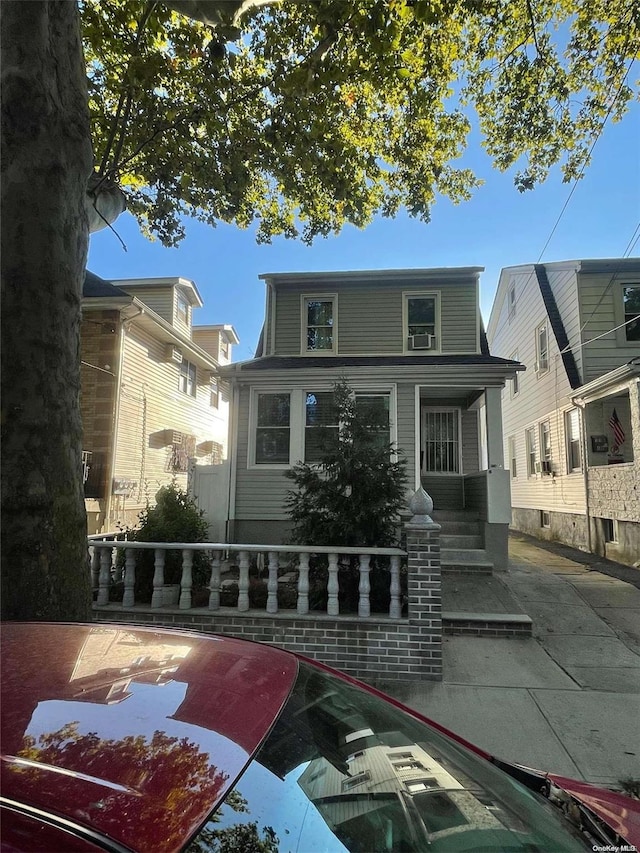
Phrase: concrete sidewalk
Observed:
(566, 700)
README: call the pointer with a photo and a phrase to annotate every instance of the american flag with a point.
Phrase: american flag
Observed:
(616, 427)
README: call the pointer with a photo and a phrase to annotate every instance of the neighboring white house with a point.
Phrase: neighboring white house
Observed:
(575, 465)
(151, 395)
(410, 342)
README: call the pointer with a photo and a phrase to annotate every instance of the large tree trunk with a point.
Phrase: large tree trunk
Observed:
(46, 161)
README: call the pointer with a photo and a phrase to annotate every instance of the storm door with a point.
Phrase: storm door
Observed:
(440, 441)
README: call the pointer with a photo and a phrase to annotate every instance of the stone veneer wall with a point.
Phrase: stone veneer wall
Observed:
(376, 646)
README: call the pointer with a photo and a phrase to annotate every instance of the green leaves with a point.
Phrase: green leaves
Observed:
(330, 112)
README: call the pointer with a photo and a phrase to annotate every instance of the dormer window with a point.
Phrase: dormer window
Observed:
(319, 324)
(182, 309)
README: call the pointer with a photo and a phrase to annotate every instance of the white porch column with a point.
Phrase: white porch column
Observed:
(495, 445)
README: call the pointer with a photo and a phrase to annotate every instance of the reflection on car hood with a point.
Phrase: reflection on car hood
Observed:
(618, 811)
(135, 732)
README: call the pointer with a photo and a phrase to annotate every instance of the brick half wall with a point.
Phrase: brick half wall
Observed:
(362, 648)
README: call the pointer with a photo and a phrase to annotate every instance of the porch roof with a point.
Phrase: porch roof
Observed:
(283, 362)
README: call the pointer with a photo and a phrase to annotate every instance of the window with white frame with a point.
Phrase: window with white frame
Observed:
(375, 408)
(182, 309)
(214, 393)
(511, 299)
(320, 421)
(574, 442)
(421, 321)
(631, 303)
(319, 324)
(530, 444)
(513, 464)
(187, 379)
(545, 445)
(515, 382)
(273, 429)
(287, 427)
(441, 441)
(542, 349)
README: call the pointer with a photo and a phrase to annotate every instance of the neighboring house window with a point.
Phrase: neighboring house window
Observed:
(515, 382)
(513, 466)
(441, 442)
(574, 444)
(542, 349)
(273, 429)
(530, 443)
(421, 321)
(182, 310)
(188, 374)
(320, 324)
(354, 781)
(631, 300)
(319, 418)
(545, 446)
(512, 300)
(609, 529)
(224, 347)
(214, 400)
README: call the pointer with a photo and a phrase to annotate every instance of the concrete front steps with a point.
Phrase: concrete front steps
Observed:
(475, 602)
(461, 542)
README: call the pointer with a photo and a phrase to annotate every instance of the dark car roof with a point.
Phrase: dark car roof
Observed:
(135, 732)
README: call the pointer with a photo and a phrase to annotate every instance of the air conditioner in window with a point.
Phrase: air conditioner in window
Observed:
(421, 341)
(172, 436)
(173, 354)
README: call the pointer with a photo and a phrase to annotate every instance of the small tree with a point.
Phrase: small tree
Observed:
(174, 518)
(352, 496)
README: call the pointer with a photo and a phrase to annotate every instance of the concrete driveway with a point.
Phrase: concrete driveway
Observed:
(566, 700)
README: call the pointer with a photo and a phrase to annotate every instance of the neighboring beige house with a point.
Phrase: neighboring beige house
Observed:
(575, 466)
(410, 342)
(151, 395)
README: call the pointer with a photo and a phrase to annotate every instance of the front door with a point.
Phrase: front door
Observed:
(441, 456)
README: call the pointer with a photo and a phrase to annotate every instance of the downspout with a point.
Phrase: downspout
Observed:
(116, 419)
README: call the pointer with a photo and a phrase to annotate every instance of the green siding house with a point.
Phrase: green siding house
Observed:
(412, 341)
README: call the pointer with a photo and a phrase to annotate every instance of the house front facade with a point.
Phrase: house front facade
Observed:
(151, 394)
(572, 421)
(408, 342)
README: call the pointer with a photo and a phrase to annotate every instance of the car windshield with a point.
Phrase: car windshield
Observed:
(343, 770)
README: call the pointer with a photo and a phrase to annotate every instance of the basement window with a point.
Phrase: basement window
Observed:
(609, 529)
(545, 519)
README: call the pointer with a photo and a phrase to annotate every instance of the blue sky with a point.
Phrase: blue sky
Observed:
(499, 227)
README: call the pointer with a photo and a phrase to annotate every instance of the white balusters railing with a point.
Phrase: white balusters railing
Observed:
(272, 583)
(106, 569)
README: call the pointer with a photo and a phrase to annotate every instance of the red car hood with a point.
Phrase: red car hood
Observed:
(618, 811)
(136, 733)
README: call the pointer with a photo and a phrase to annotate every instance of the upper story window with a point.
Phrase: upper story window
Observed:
(542, 349)
(224, 347)
(511, 300)
(421, 321)
(319, 324)
(273, 429)
(631, 302)
(188, 376)
(183, 309)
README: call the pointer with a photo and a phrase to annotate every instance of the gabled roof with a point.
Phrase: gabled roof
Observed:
(559, 331)
(185, 285)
